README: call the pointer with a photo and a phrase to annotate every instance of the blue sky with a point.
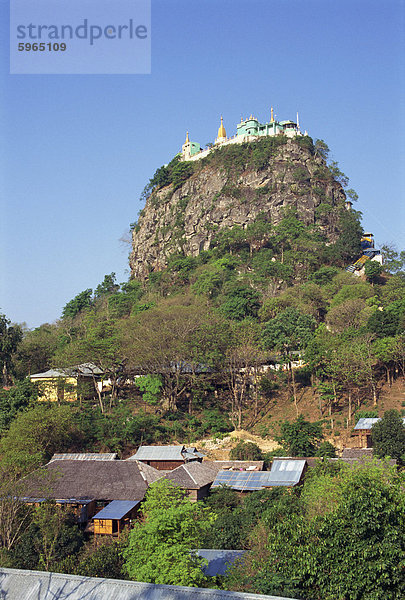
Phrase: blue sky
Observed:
(77, 150)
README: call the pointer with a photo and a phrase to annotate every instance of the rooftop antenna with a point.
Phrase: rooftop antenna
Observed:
(298, 121)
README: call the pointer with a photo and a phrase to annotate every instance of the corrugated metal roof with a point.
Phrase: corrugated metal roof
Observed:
(117, 509)
(219, 560)
(16, 584)
(85, 370)
(286, 472)
(241, 465)
(85, 456)
(158, 453)
(365, 423)
(242, 481)
(50, 374)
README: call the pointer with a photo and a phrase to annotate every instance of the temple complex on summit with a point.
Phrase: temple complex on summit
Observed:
(248, 130)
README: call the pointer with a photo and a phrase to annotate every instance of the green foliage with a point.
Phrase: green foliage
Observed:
(373, 271)
(159, 547)
(321, 149)
(151, 386)
(36, 434)
(342, 539)
(300, 437)
(246, 451)
(365, 414)
(324, 275)
(394, 261)
(390, 321)
(347, 248)
(326, 450)
(18, 398)
(105, 560)
(79, 303)
(240, 302)
(10, 337)
(106, 287)
(389, 436)
(289, 330)
(52, 536)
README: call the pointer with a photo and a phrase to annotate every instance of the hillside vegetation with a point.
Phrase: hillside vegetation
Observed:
(198, 332)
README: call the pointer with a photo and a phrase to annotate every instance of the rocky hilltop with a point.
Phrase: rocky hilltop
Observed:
(190, 202)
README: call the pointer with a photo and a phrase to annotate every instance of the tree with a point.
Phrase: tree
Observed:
(57, 534)
(77, 304)
(388, 436)
(240, 302)
(394, 261)
(20, 397)
(160, 546)
(177, 341)
(36, 434)
(301, 437)
(321, 149)
(348, 248)
(107, 286)
(10, 337)
(35, 351)
(343, 538)
(246, 451)
(372, 271)
(289, 331)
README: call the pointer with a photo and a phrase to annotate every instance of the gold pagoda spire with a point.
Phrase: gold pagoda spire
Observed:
(221, 130)
(272, 115)
(187, 139)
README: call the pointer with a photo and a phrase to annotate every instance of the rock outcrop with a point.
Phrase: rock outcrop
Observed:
(232, 186)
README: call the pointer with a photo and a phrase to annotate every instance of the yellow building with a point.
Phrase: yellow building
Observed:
(57, 385)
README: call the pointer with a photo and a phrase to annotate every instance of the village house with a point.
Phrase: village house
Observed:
(85, 487)
(194, 477)
(283, 473)
(166, 458)
(69, 384)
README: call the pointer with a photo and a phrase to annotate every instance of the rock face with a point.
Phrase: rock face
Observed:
(218, 195)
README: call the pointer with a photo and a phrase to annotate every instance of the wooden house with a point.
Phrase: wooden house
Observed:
(85, 487)
(166, 458)
(194, 477)
(112, 519)
(362, 430)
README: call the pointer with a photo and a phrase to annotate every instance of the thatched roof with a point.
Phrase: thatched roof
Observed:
(193, 475)
(89, 479)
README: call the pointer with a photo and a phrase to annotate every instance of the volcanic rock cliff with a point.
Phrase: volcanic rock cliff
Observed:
(232, 186)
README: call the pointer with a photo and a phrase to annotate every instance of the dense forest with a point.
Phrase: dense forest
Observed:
(183, 351)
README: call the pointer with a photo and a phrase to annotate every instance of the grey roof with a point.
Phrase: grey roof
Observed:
(219, 560)
(241, 465)
(365, 423)
(192, 453)
(16, 584)
(77, 479)
(286, 472)
(150, 474)
(357, 453)
(242, 481)
(117, 509)
(158, 453)
(85, 370)
(192, 475)
(85, 456)
(52, 373)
